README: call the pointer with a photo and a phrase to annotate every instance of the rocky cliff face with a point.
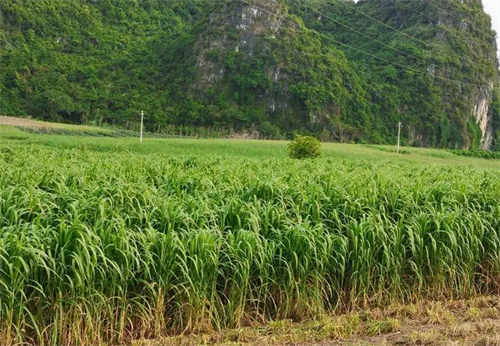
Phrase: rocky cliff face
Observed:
(240, 27)
(449, 41)
(254, 60)
(483, 115)
(465, 24)
(241, 37)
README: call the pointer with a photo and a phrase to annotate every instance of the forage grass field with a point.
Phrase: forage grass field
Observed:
(105, 241)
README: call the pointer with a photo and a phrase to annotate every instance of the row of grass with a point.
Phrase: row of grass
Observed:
(482, 154)
(42, 127)
(103, 246)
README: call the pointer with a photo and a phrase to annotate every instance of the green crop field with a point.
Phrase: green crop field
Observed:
(104, 240)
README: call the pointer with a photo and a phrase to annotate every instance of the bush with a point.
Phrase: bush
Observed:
(482, 154)
(268, 130)
(304, 147)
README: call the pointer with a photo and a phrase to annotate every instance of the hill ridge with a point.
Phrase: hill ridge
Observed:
(103, 62)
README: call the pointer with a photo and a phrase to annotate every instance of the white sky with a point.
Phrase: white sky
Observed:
(492, 7)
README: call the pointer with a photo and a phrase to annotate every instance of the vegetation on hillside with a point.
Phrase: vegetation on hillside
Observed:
(346, 74)
(426, 62)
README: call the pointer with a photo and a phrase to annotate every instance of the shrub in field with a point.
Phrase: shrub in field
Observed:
(304, 147)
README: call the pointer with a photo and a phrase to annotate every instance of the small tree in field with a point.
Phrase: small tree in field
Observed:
(304, 147)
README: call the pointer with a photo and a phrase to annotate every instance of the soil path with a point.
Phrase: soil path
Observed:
(23, 122)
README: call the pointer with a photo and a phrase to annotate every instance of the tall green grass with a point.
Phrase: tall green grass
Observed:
(104, 247)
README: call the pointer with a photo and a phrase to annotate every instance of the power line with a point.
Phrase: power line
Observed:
(432, 4)
(386, 45)
(385, 24)
(429, 3)
(470, 25)
(408, 68)
(371, 38)
(404, 67)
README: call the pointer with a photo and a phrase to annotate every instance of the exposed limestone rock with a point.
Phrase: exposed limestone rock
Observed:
(247, 22)
(255, 60)
(481, 112)
(480, 96)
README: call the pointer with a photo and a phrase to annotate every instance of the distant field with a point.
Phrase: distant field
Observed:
(32, 125)
(104, 240)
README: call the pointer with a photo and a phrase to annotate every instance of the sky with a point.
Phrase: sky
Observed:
(492, 7)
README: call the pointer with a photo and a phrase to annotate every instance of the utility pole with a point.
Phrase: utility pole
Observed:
(142, 124)
(399, 137)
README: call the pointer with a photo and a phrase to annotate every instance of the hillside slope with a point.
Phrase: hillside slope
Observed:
(336, 69)
(432, 64)
(257, 67)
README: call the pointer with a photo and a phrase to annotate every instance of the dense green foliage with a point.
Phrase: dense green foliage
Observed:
(303, 147)
(495, 112)
(81, 61)
(106, 240)
(426, 74)
(334, 69)
(490, 155)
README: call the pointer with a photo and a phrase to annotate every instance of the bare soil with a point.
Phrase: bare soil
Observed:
(455, 322)
(23, 122)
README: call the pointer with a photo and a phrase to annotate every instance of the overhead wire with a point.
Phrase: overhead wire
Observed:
(349, 27)
(404, 67)
(386, 25)
(428, 3)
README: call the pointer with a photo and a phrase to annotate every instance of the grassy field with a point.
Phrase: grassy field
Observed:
(104, 240)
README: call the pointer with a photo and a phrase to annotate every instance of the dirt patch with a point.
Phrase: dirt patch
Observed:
(485, 332)
(44, 127)
(23, 122)
(457, 322)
